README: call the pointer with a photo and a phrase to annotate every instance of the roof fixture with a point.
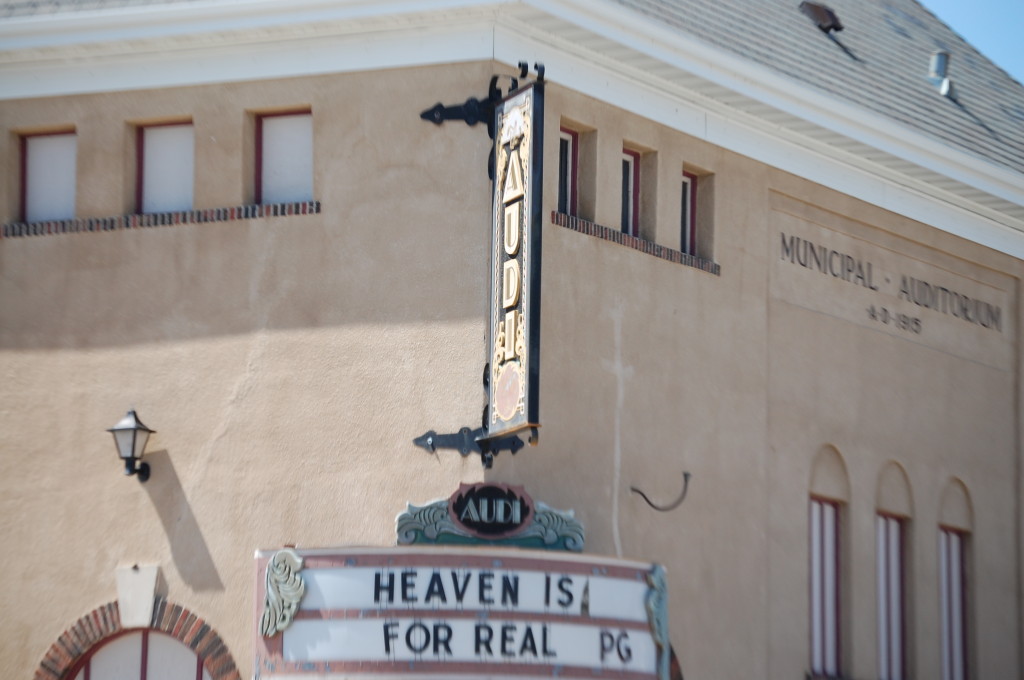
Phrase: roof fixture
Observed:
(938, 68)
(823, 17)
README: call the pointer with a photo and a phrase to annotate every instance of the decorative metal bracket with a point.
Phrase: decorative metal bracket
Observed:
(671, 506)
(474, 110)
(467, 441)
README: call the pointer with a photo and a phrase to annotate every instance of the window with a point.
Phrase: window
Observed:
(825, 587)
(48, 176)
(166, 162)
(688, 231)
(889, 537)
(568, 170)
(630, 192)
(284, 157)
(142, 655)
(953, 603)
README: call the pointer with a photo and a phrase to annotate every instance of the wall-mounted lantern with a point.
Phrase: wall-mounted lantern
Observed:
(131, 436)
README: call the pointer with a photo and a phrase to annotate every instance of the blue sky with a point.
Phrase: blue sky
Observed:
(994, 27)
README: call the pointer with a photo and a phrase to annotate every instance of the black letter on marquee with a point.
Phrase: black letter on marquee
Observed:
(507, 629)
(529, 644)
(408, 583)
(460, 592)
(389, 635)
(435, 589)
(607, 643)
(544, 642)
(510, 590)
(483, 640)
(485, 585)
(390, 587)
(564, 584)
(408, 637)
(442, 636)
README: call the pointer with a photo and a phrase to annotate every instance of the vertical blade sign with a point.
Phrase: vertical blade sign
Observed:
(514, 342)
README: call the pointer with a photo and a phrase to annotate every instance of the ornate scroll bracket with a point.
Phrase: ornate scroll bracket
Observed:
(656, 603)
(671, 506)
(285, 588)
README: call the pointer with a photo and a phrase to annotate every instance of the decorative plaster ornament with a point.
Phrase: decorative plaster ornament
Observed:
(284, 591)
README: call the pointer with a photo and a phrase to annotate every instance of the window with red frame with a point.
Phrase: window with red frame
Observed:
(166, 167)
(48, 176)
(630, 192)
(568, 171)
(688, 226)
(284, 157)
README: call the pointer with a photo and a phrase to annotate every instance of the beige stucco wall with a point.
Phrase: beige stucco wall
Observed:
(287, 363)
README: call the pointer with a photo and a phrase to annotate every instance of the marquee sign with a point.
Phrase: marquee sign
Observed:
(515, 263)
(490, 514)
(454, 612)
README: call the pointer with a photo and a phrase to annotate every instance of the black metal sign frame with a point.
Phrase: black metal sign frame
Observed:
(514, 337)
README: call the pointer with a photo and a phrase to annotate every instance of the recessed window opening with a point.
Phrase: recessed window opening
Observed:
(825, 587)
(688, 230)
(284, 157)
(630, 192)
(141, 655)
(568, 171)
(889, 551)
(953, 603)
(48, 176)
(166, 167)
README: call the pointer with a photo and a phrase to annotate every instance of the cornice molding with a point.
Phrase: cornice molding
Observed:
(209, 25)
(216, 17)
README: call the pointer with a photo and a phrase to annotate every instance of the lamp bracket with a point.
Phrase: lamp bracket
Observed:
(132, 466)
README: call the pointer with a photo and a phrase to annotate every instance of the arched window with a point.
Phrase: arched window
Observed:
(176, 645)
(830, 493)
(141, 655)
(894, 508)
(955, 525)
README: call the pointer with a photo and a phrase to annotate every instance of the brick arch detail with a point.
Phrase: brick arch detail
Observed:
(105, 622)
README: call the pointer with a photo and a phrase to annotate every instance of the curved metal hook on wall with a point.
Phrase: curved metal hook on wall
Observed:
(671, 506)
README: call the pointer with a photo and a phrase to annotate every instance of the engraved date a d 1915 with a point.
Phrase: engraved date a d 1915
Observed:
(896, 319)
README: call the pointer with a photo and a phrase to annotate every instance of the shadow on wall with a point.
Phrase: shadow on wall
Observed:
(187, 281)
(405, 243)
(188, 547)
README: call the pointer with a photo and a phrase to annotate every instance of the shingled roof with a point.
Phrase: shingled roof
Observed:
(879, 61)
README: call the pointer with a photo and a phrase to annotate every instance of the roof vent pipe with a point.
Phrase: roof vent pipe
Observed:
(938, 65)
(938, 68)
